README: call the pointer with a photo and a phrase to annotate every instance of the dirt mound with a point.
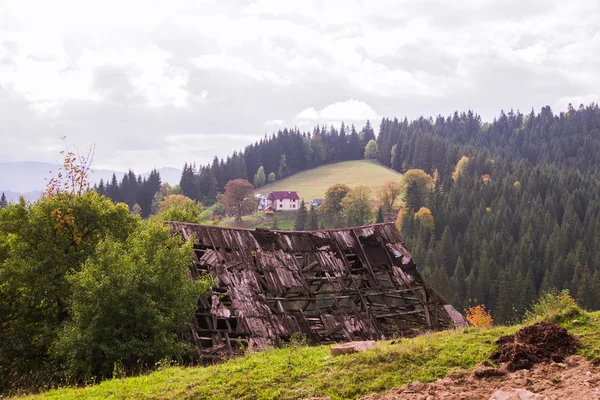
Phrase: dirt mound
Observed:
(534, 344)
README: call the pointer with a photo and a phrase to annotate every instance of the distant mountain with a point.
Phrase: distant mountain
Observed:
(29, 178)
(14, 196)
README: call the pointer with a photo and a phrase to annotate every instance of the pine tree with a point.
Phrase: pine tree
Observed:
(379, 219)
(274, 224)
(101, 189)
(458, 285)
(188, 182)
(313, 219)
(301, 218)
(354, 149)
(446, 254)
(413, 197)
(283, 166)
(586, 293)
(272, 177)
(3, 201)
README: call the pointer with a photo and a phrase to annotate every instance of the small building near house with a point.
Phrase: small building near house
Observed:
(261, 202)
(316, 203)
(283, 201)
(269, 211)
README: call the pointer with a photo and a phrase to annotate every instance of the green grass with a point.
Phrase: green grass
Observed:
(296, 372)
(313, 184)
(285, 220)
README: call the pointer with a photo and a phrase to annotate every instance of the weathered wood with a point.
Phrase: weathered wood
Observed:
(329, 286)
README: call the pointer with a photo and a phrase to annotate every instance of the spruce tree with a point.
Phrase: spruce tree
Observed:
(413, 197)
(301, 218)
(586, 293)
(458, 284)
(379, 218)
(313, 219)
(3, 201)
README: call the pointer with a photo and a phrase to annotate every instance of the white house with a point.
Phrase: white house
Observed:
(283, 201)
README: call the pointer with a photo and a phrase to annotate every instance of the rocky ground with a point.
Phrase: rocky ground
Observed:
(533, 367)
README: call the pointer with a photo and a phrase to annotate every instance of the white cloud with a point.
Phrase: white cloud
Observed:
(348, 111)
(308, 114)
(126, 74)
(562, 104)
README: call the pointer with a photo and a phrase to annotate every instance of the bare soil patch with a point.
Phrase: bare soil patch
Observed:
(534, 344)
(533, 367)
(575, 378)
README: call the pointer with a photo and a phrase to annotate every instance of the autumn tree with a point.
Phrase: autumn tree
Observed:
(415, 186)
(272, 177)
(425, 218)
(73, 176)
(356, 206)
(461, 167)
(388, 195)
(177, 207)
(332, 204)
(239, 198)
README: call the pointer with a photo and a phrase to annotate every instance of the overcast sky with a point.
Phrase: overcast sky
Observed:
(158, 83)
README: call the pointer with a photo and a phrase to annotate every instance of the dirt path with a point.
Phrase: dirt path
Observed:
(575, 378)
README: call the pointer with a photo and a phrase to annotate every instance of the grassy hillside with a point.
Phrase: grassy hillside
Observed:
(313, 183)
(301, 371)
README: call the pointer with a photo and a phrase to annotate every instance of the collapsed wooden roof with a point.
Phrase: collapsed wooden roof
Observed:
(327, 285)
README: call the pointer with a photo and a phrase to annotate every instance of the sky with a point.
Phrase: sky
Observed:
(159, 83)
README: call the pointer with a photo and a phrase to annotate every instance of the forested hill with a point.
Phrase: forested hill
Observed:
(519, 215)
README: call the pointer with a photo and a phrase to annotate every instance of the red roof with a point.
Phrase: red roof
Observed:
(280, 195)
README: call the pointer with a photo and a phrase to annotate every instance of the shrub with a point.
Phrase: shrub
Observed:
(179, 208)
(553, 306)
(131, 302)
(479, 317)
(41, 244)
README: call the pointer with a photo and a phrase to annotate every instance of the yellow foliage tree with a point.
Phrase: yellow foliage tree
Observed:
(171, 201)
(388, 195)
(479, 317)
(461, 167)
(415, 186)
(425, 218)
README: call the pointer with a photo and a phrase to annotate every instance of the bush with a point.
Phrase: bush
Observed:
(181, 209)
(131, 302)
(555, 307)
(479, 317)
(40, 245)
